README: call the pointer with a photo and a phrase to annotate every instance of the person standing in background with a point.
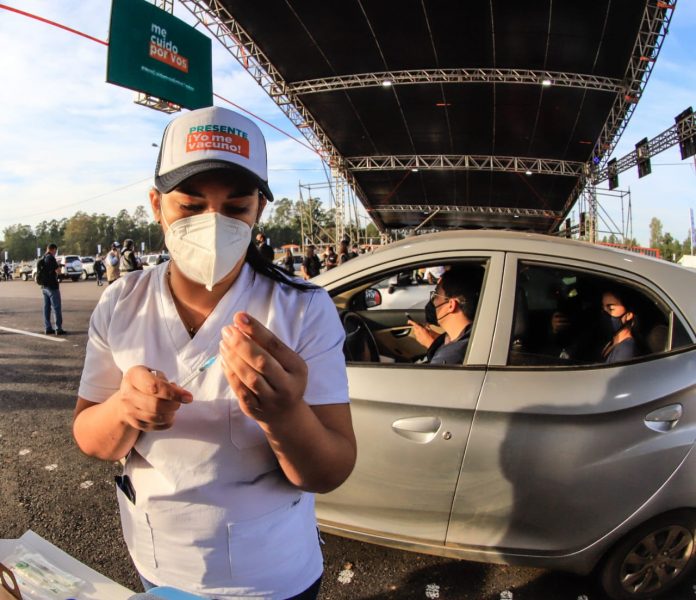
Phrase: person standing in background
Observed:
(264, 248)
(99, 270)
(311, 265)
(113, 260)
(47, 270)
(289, 262)
(129, 261)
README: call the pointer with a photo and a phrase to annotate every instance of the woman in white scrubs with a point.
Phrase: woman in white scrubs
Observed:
(221, 380)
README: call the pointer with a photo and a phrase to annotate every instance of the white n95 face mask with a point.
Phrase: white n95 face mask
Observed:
(207, 247)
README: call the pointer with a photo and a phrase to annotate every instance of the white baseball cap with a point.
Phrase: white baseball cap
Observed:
(211, 138)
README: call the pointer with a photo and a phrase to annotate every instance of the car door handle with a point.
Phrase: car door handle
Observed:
(664, 418)
(417, 429)
(401, 331)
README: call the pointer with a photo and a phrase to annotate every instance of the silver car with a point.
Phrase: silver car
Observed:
(534, 451)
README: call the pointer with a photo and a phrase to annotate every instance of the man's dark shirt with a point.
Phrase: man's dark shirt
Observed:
(51, 277)
(311, 265)
(266, 251)
(453, 353)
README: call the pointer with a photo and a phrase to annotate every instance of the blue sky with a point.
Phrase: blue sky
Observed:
(73, 142)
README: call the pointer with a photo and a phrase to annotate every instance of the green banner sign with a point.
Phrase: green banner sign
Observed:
(152, 51)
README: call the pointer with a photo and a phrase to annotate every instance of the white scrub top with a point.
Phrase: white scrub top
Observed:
(214, 514)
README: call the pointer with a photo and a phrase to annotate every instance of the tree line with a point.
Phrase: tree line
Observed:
(669, 246)
(82, 234)
(286, 222)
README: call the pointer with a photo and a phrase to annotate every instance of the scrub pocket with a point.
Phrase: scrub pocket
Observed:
(136, 532)
(275, 547)
(244, 432)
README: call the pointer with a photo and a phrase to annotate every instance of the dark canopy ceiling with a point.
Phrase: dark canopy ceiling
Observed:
(467, 107)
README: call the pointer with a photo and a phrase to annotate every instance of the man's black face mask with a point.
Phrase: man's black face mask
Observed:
(430, 313)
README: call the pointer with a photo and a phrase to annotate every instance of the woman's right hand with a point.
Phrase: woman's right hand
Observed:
(148, 402)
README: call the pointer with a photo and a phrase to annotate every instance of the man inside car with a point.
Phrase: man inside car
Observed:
(452, 306)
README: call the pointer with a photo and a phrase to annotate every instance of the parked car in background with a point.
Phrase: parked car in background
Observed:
(70, 267)
(151, 260)
(23, 271)
(87, 267)
(533, 451)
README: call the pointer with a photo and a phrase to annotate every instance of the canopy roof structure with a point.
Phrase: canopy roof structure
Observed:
(462, 114)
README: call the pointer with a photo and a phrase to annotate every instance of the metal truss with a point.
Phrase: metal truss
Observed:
(671, 137)
(426, 76)
(470, 210)
(651, 34)
(157, 103)
(465, 162)
(221, 24)
(213, 15)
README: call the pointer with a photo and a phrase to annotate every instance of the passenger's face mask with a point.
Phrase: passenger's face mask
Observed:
(613, 324)
(207, 247)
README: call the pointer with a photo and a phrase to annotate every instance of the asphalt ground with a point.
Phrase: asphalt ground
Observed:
(48, 486)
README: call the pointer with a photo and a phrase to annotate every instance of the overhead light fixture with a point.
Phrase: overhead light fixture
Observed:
(386, 83)
(515, 216)
(527, 172)
(414, 170)
(546, 82)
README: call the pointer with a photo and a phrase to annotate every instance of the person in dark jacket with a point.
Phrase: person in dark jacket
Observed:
(99, 270)
(265, 250)
(311, 265)
(289, 262)
(50, 287)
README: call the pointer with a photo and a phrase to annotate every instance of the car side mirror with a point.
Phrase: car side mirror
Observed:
(372, 297)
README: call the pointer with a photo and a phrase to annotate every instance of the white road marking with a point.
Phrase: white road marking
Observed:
(86, 484)
(432, 590)
(52, 467)
(24, 451)
(52, 338)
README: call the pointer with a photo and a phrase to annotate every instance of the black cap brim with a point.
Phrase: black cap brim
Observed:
(167, 182)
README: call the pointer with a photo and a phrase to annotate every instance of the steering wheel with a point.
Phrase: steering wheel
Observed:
(360, 345)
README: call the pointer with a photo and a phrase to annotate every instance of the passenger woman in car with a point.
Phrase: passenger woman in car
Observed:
(620, 322)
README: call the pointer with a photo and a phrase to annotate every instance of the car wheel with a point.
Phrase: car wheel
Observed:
(84, 276)
(652, 559)
(25, 277)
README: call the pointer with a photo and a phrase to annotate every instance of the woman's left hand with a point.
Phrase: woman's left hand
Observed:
(268, 378)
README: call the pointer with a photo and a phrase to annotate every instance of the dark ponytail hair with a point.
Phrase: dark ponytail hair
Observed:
(274, 272)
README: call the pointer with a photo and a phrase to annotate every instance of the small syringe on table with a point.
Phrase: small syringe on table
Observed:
(205, 366)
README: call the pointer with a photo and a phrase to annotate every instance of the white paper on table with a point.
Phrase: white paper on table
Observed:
(96, 587)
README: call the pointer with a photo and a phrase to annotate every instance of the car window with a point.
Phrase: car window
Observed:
(386, 320)
(572, 317)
